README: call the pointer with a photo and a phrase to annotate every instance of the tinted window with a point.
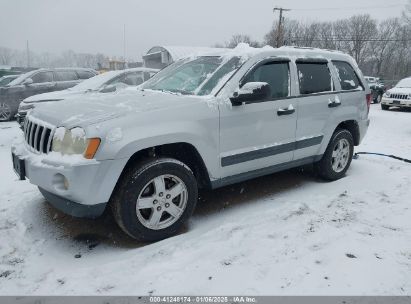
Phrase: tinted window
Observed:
(314, 78)
(85, 74)
(42, 77)
(276, 74)
(67, 75)
(346, 76)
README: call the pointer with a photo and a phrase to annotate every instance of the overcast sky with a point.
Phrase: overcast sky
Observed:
(97, 25)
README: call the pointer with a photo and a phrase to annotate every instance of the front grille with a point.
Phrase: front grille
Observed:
(38, 135)
(399, 96)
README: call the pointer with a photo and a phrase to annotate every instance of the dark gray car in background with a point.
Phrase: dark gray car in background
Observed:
(37, 82)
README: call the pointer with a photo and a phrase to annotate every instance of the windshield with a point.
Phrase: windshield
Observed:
(21, 78)
(194, 77)
(405, 83)
(6, 80)
(96, 82)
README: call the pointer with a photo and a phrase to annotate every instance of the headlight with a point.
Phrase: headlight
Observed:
(74, 142)
(25, 107)
(387, 94)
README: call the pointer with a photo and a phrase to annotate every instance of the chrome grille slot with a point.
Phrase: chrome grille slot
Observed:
(38, 135)
(399, 96)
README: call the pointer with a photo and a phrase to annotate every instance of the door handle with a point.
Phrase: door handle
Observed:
(334, 104)
(285, 111)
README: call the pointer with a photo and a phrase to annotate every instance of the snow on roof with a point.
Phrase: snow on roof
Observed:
(178, 52)
(246, 51)
(141, 69)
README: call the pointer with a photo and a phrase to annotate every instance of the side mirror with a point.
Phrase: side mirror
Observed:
(108, 89)
(28, 81)
(251, 92)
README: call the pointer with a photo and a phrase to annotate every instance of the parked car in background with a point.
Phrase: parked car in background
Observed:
(398, 96)
(377, 88)
(102, 83)
(202, 122)
(37, 82)
(5, 80)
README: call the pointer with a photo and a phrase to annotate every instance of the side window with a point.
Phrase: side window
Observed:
(42, 77)
(346, 76)
(84, 74)
(276, 74)
(67, 75)
(134, 79)
(314, 77)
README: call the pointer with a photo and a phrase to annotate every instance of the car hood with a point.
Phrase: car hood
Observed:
(53, 96)
(396, 90)
(97, 108)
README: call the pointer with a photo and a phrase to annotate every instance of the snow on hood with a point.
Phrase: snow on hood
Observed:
(396, 90)
(101, 107)
(51, 96)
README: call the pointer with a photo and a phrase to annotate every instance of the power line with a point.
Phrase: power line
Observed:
(349, 39)
(348, 7)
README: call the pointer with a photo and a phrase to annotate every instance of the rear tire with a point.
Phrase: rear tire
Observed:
(384, 107)
(337, 157)
(154, 199)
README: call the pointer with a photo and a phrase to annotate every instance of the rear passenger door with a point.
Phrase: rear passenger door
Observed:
(352, 91)
(317, 99)
(66, 79)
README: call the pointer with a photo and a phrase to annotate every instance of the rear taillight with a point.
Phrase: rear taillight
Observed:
(368, 98)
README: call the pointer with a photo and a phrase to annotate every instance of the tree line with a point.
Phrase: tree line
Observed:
(18, 58)
(381, 48)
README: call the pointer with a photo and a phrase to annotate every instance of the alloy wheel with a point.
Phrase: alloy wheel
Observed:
(161, 202)
(5, 112)
(340, 155)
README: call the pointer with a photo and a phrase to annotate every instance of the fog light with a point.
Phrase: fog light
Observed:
(60, 182)
(66, 183)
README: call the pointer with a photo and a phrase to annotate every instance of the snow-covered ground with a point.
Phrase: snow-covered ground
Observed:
(287, 233)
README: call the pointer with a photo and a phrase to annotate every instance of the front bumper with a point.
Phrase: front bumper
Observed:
(405, 103)
(80, 189)
(73, 208)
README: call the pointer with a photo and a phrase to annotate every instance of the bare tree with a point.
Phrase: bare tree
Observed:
(406, 14)
(240, 38)
(361, 28)
(384, 45)
(6, 56)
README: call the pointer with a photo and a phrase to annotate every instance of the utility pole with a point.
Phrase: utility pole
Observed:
(280, 40)
(124, 46)
(28, 53)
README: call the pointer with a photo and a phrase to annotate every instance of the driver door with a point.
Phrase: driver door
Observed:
(260, 134)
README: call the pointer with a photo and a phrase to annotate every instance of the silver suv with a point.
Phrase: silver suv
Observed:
(203, 122)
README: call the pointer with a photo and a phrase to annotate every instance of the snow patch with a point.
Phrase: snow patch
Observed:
(115, 134)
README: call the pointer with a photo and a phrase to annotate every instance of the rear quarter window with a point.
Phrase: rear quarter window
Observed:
(347, 77)
(314, 77)
(66, 75)
(85, 74)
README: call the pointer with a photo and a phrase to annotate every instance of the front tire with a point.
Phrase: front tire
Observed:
(337, 157)
(384, 107)
(153, 200)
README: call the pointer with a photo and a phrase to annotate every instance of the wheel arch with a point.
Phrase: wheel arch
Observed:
(353, 127)
(182, 151)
